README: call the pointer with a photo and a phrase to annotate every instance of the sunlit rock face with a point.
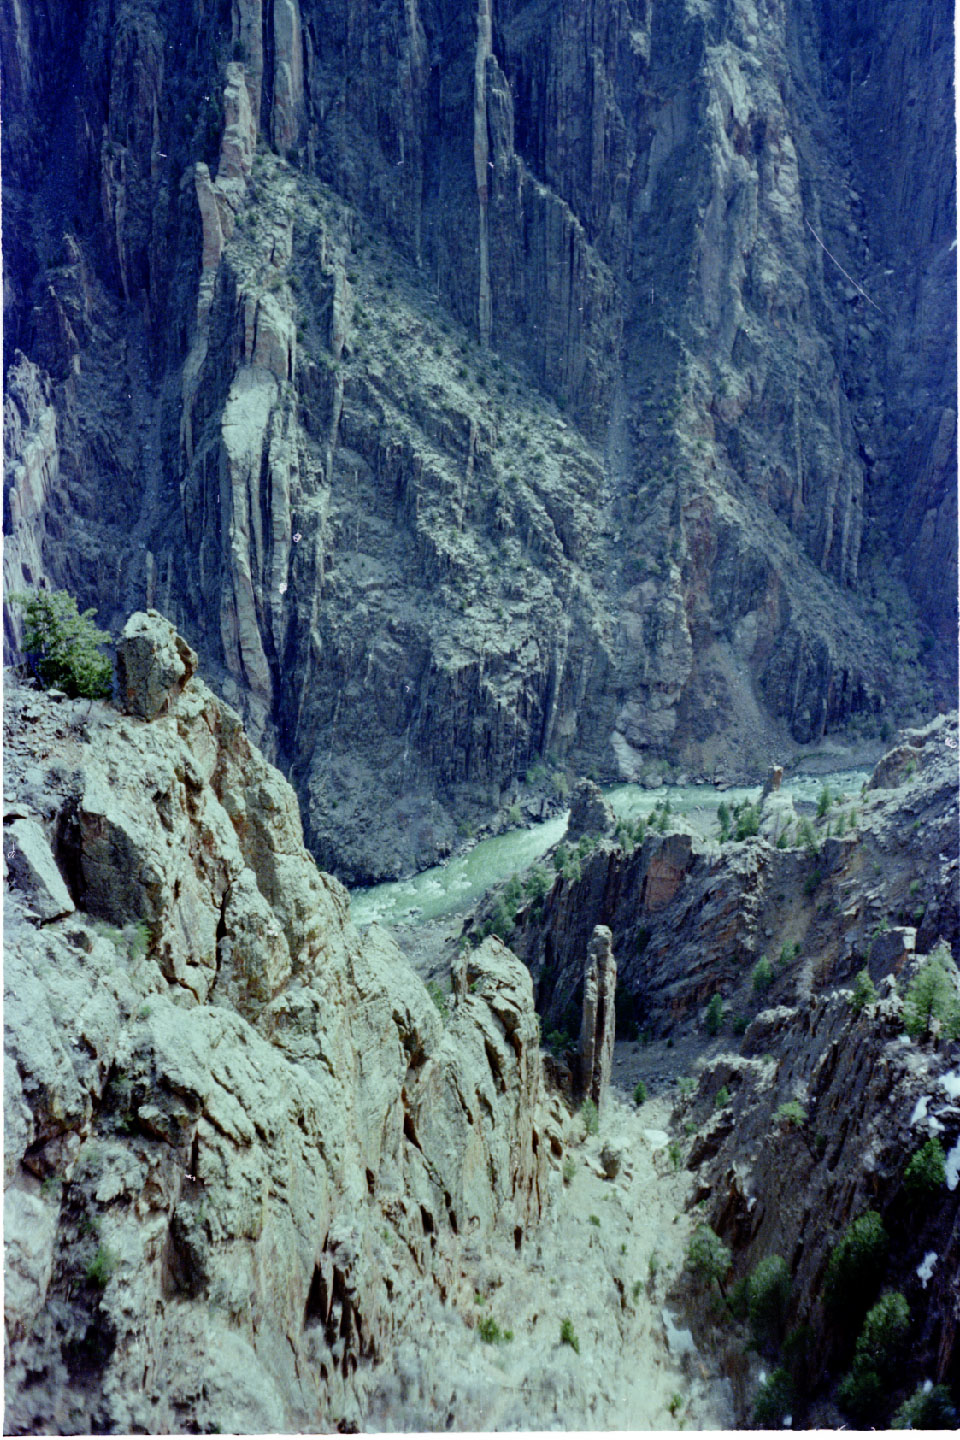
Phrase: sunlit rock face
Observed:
(476, 382)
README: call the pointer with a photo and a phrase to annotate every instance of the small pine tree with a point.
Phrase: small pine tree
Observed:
(933, 996)
(927, 1170)
(864, 991)
(707, 1256)
(62, 646)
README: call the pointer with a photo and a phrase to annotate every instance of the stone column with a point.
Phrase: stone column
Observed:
(597, 1024)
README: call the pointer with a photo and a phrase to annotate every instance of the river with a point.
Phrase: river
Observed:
(459, 883)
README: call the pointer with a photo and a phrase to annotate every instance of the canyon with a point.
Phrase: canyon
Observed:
(451, 408)
(485, 387)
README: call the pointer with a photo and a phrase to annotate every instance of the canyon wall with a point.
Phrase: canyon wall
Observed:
(477, 382)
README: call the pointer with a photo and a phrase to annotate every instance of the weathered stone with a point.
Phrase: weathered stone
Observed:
(32, 870)
(154, 663)
(590, 813)
(597, 1025)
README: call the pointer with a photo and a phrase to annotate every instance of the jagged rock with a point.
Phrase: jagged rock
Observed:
(611, 1159)
(891, 949)
(32, 870)
(590, 813)
(154, 663)
(597, 1025)
(270, 1133)
(772, 783)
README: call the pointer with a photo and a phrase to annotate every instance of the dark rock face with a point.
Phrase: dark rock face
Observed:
(473, 384)
(689, 919)
(590, 814)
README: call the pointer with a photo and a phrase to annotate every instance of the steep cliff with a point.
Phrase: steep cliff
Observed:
(480, 381)
(245, 1155)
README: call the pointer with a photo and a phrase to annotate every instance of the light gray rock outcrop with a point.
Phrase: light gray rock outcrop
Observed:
(153, 665)
(598, 1021)
(241, 1140)
(32, 870)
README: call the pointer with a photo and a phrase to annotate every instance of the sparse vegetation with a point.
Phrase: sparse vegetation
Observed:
(774, 1400)
(62, 646)
(927, 1171)
(762, 976)
(932, 998)
(864, 991)
(856, 1263)
(590, 1117)
(713, 1022)
(490, 1332)
(568, 1336)
(768, 1293)
(439, 998)
(569, 1169)
(707, 1257)
(790, 1113)
(722, 1098)
(102, 1266)
(639, 1093)
(927, 1409)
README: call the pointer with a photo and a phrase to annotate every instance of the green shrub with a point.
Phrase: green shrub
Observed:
(927, 1410)
(102, 1266)
(927, 1170)
(722, 1098)
(864, 991)
(595, 1220)
(569, 1169)
(639, 1093)
(824, 801)
(932, 995)
(747, 821)
(768, 1293)
(560, 857)
(437, 995)
(707, 1256)
(536, 884)
(590, 1117)
(514, 816)
(861, 1393)
(713, 1022)
(740, 1023)
(558, 1041)
(883, 1336)
(774, 1399)
(807, 836)
(762, 977)
(791, 1112)
(568, 1335)
(490, 1332)
(723, 815)
(856, 1263)
(62, 647)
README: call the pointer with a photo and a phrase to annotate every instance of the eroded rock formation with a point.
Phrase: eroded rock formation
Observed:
(243, 1149)
(598, 1021)
(480, 383)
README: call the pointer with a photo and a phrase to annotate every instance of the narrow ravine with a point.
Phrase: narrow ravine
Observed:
(606, 1260)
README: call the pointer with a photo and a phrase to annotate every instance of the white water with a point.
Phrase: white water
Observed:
(460, 882)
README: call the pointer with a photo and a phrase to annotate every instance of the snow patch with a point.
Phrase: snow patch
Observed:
(953, 1167)
(951, 1083)
(925, 1268)
(920, 1110)
(656, 1139)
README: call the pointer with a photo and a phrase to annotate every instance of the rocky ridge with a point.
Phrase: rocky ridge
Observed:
(495, 388)
(243, 1148)
(258, 1178)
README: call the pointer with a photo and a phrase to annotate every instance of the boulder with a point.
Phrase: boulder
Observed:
(32, 870)
(154, 664)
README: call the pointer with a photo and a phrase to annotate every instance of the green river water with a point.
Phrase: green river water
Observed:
(460, 882)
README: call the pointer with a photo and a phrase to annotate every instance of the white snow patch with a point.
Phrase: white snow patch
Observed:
(925, 1268)
(951, 1083)
(920, 1110)
(953, 1167)
(656, 1139)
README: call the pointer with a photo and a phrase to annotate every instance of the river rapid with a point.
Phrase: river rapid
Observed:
(459, 883)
